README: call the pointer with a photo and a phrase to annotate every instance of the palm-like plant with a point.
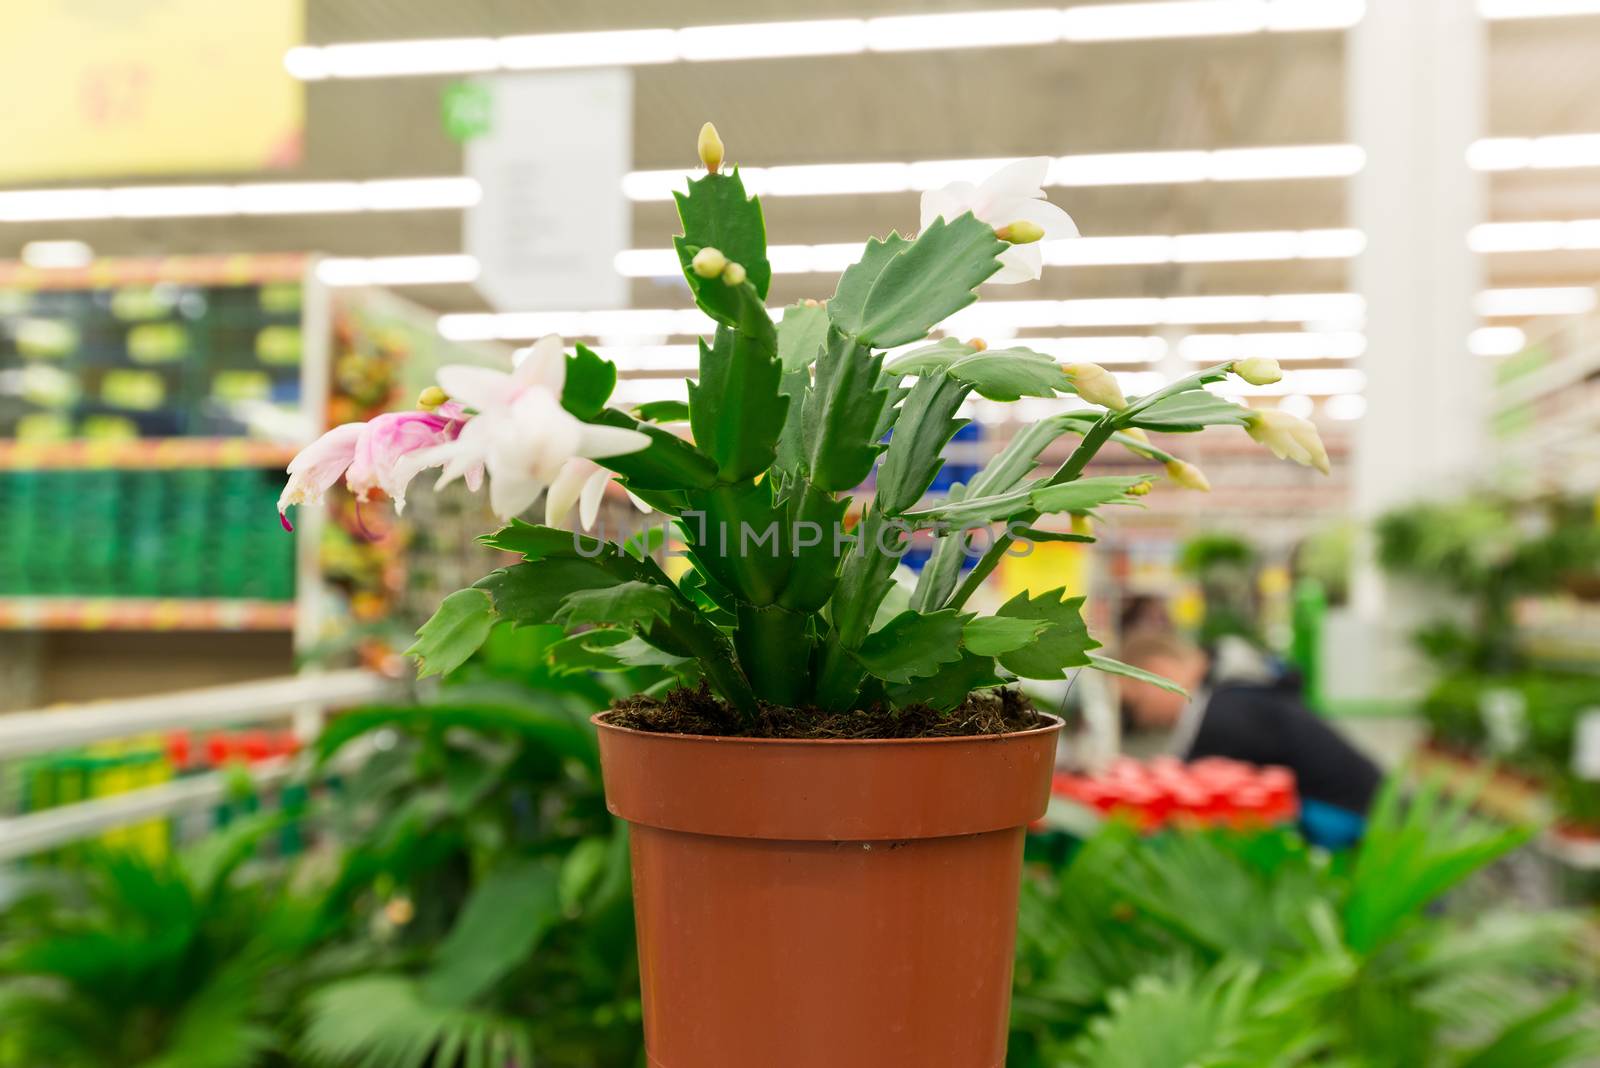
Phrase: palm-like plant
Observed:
(483, 861)
(1217, 949)
(130, 962)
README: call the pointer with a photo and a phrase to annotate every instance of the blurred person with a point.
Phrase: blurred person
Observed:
(1256, 720)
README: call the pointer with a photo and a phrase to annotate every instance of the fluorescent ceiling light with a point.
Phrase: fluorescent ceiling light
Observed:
(1555, 152)
(1315, 382)
(253, 198)
(1553, 300)
(1308, 345)
(1496, 341)
(398, 270)
(1536, 9)
(1136, 348)
(1105, 169)
(1072, 252)
(1544, 236)
(57, 255)
(815, 37)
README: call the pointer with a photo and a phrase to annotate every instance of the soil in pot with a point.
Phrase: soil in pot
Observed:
(699, 711)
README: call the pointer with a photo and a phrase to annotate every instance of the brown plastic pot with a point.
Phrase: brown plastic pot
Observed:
(826, 904)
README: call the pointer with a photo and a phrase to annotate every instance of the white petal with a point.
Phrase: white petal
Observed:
(564, 492)
(477, 387)
(1024, 178)
(544, 363)
(1055, 222)
(512, 493)
(637, 503)
(593, 491)
(598, 442)
(1019, 263)
(951, 202)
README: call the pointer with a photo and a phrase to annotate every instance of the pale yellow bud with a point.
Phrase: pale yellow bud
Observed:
(1081, 525)
(710, 148)
(1258, 370)
(708, 263)
(1289, 438)
(977, 344)
(1138, 435)
(811, 302)
(733, 274)
(431, 398)
(1021, 232)
(1141, 489)
(1096, 385)
(1188, 476)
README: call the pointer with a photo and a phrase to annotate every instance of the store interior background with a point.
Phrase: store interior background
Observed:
(225, 227)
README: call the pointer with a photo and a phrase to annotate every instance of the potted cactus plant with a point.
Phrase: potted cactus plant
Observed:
(828, 803)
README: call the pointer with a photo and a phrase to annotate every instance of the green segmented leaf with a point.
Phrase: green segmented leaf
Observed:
(1082, 495)
(950, 685)
(802, 332)
(623, 604)
(901, 289)
(1000, 374)
(589, 383)
(993, 635)
(662, 411)
(1065, 644)
(737, 410)
(927, 423)
(841, 415)
(457, 628)
(1189, 411)
(668, 463)
(716, 213)
(913, 645)
(1128, 671)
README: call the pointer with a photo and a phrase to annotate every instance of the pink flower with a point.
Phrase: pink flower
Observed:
(374, 455)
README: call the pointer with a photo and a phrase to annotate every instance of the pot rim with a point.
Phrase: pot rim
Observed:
(1052, 722)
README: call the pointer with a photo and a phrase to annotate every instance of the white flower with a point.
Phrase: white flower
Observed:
(1288, 437)
(581, 482)
(1014, 193)
(520, 432)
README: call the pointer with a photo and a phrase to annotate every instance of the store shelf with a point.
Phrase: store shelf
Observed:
(143, 613)
(243, 269)
(145, 454)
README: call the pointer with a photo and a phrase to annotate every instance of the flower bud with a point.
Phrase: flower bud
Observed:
(977, 344)
(1188, 476)
(1258, 370)
(1021, 232)
(733, 274)
(1081, 525)
(1289, 437)
(710, 146)
(1096, 385)
(1141, 489)
(431, 398)
(708, 263)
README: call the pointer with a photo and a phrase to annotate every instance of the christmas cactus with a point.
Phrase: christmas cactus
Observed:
(791, 593)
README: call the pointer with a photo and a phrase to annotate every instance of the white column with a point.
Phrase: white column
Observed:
(1415, 86)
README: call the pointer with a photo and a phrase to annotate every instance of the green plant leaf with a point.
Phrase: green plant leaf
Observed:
(926, 424)
(509, 911)
(737, 410)
(841, 415)
(802, 332)
(716, 213)
(949, 685)
(999, 374)
(1128, 671)
(623, 604)
(662, 411)
(589, 383)
(1065, 644)
(1081, 496)
(455, 631)
(901, 289)
(993, 635)
(913, 645)
(667, 463)
(1189, 411)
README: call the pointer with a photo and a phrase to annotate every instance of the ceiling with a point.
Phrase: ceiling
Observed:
(1261, 90)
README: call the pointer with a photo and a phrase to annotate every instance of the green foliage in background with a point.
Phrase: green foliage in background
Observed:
(1229, 949)
(1224, 567)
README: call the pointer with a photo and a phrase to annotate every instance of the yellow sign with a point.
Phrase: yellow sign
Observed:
(103, 88)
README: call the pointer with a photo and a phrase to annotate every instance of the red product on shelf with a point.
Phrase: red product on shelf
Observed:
(1208, 792)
